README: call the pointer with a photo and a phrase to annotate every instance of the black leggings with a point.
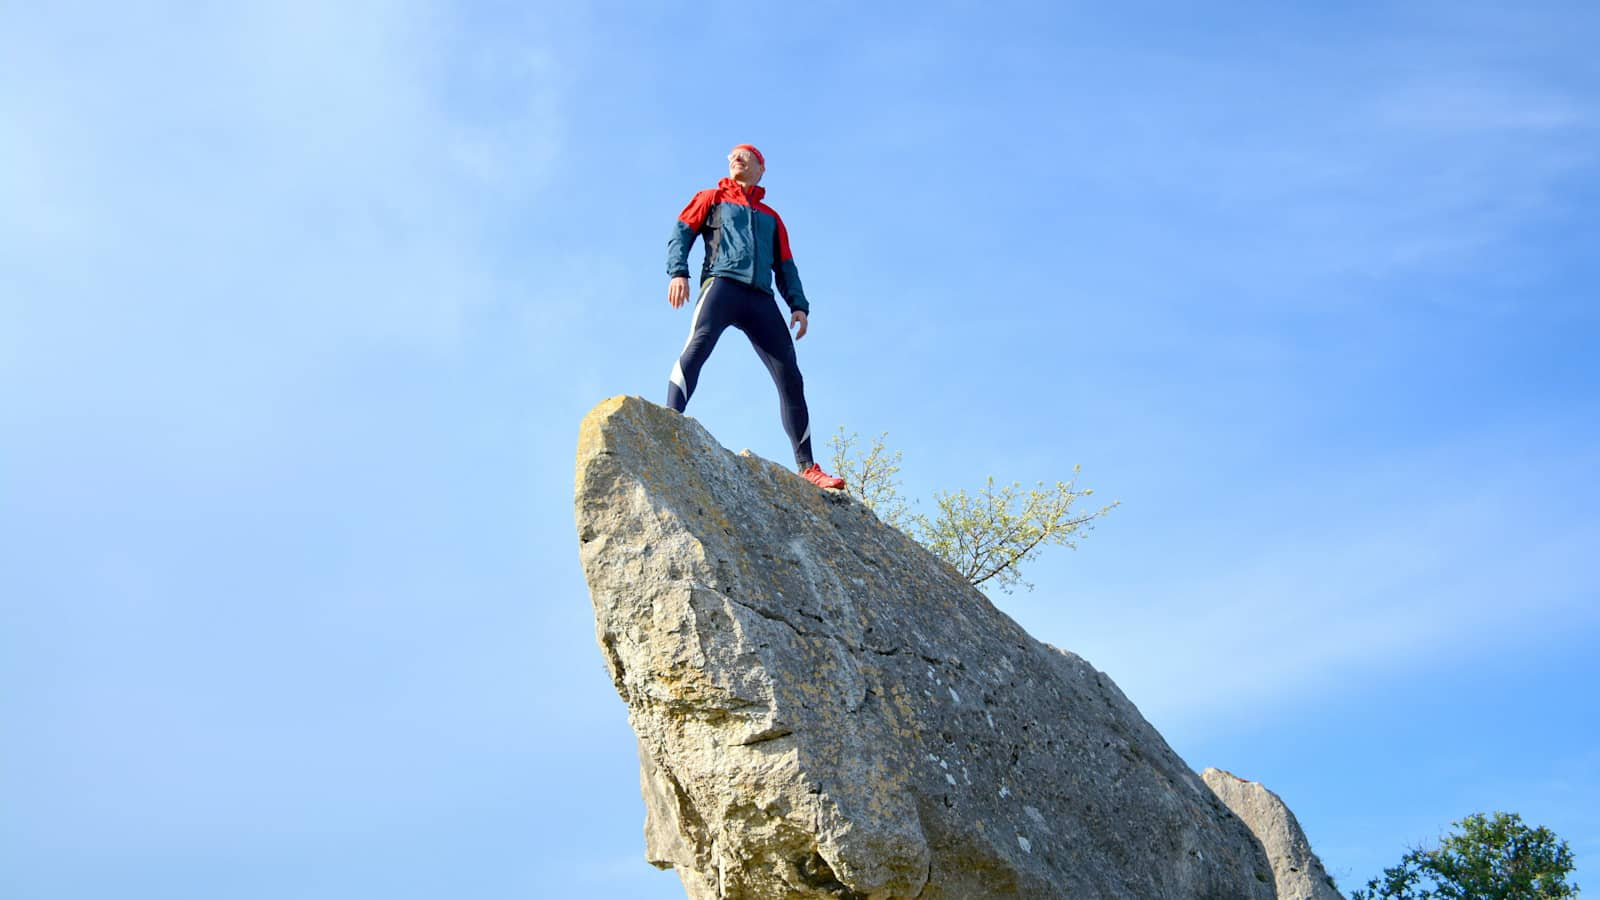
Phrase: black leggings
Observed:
(727, 302)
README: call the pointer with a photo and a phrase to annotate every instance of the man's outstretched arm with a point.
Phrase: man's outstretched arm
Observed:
(679, 242)
(787, 276)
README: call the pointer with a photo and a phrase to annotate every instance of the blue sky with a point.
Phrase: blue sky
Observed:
(301, 304)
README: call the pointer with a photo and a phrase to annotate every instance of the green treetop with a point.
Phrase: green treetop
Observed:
(1490, 858)
(985, 535)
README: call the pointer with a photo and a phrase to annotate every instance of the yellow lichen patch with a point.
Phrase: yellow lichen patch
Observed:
(899, 713)
(591, 440)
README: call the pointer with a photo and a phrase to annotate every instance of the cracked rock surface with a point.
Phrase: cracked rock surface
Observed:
(824, 709)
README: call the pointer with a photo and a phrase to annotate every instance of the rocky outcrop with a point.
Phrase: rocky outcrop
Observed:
(1297, 871)
(824, 709)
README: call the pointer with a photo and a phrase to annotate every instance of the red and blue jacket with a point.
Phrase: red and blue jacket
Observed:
(745, 240)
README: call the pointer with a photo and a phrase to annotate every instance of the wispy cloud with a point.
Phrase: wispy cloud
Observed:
(1415, 569)
(1481, 102)
(1309, 176)
(310, 171)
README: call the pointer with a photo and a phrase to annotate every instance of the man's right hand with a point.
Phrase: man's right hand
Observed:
(678, 291)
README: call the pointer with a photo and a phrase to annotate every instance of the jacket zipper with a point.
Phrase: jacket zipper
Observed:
(755, 251)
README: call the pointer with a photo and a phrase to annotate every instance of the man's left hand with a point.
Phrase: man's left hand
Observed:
(799, 318)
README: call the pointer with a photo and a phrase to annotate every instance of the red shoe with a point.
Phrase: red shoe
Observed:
(822, 479)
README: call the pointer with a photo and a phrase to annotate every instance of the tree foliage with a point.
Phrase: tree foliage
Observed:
(1490, 858)
(987, 534)
(870, 475)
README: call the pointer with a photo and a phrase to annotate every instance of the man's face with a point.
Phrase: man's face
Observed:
(743, 168)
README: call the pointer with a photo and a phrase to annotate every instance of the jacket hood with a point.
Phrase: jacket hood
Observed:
(728, 184)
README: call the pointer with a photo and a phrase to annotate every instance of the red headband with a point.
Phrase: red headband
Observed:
(759, 158)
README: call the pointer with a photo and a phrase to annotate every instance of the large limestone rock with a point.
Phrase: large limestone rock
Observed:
(1298, 873)
(824, 709)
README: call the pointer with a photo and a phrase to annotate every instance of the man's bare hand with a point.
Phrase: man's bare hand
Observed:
(799, 318)
(678, 291)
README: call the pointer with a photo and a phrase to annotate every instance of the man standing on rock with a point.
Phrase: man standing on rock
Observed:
(746, 246)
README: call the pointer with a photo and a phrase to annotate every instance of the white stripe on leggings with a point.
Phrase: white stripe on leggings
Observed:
(677, 376)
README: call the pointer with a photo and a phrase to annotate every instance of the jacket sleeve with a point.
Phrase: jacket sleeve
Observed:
(788, 277)
(684, 231)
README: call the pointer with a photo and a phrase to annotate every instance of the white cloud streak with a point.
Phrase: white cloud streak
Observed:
(1413, 571)
(312, 170)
